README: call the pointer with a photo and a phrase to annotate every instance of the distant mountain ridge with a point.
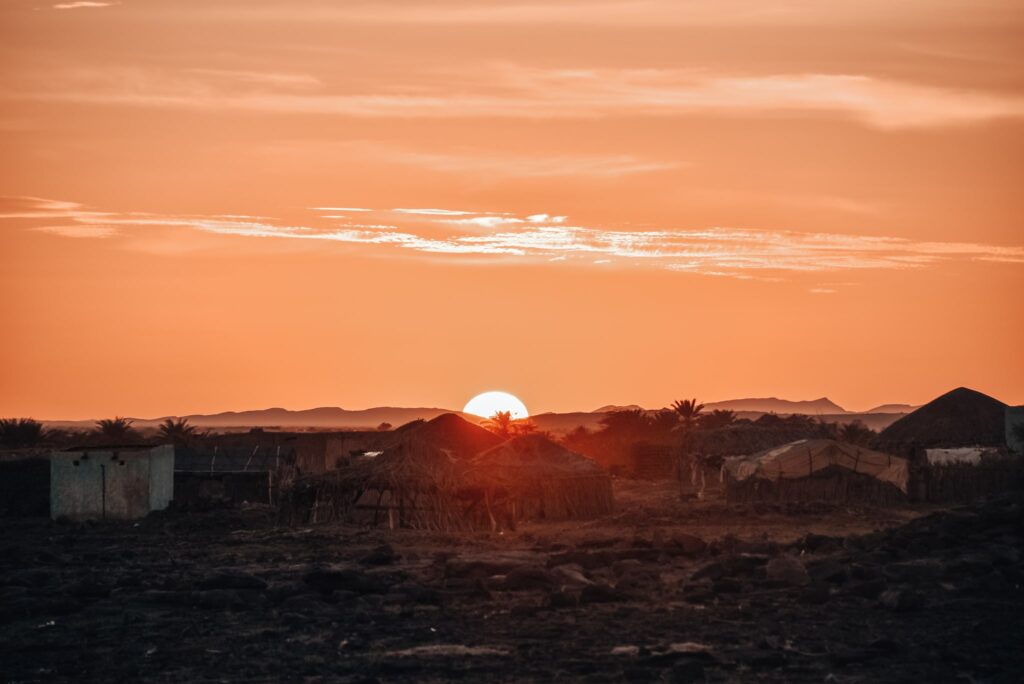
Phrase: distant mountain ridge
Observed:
(322, 417)
(775, 405)
(333, 417)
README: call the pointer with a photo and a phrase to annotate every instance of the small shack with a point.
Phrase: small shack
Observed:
(817, 470)
(228, 475)
(111, 482)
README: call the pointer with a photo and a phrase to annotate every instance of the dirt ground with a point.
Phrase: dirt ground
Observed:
(663, 590)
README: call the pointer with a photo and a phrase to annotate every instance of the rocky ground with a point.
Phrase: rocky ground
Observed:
(662, 591)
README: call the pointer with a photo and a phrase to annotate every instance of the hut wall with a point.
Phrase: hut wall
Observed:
(654, 461)
(832, 484)
(232, 487)
(962, 482)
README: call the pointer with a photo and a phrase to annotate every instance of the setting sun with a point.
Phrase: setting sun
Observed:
(487, 404)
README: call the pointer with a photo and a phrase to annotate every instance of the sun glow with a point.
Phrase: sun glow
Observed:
(487, 404)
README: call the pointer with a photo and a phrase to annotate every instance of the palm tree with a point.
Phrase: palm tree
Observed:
(18, 433)
(627, 423)
(858, 433)
(524, 427)
(500, 423)
(115, 429)
(178, 432)
(663, 422)
(718, 418)
(688, 410)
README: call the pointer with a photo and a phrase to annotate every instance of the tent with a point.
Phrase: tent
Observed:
(818, 470)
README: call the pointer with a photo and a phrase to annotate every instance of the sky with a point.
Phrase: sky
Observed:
(239, 204)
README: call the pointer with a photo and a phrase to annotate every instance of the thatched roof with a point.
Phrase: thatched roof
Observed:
(959, 418)
(455, 435)
(537, 455)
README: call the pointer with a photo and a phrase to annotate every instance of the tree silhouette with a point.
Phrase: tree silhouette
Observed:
(500, 423)
(115, 429)
(663, 421)
(716, 419)
(629, 423)
(857, 432)
(688, 410)
(524, 427)
(384, 427)
(17, 433)
(178, 432)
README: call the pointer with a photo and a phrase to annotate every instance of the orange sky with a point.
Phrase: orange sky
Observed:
(238, 204)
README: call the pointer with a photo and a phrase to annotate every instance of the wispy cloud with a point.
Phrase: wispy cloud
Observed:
(717, 251)
(517, 91)
(84, 4)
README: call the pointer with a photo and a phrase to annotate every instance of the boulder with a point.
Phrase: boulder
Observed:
(232, 579)
(600, 593)
(788, 570)
(528, 578)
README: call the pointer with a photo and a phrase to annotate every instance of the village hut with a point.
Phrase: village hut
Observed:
(432, 479)
(957, 446)
(417, 479)
(960, 418)
(817, 470)
(205, 475)
(531, 478)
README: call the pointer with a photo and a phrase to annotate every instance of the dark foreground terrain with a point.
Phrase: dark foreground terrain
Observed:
(662, 591)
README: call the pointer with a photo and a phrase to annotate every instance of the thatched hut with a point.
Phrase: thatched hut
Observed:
(957, 445)
(817, 470)
(419, 484)
(531, 478)
(960, 418)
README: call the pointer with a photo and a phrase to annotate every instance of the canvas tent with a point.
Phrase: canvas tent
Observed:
(819, 470)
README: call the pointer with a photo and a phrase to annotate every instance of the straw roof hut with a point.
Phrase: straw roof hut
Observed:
(960, 418)
(419, 484)
(817, 470)
(531, 478)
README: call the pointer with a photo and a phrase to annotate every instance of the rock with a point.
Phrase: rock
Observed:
(915, 571)
(220, 599)
(902, 600)
(232, 579)
(326, 580)
(88, 588)
(820, 543)
(528, 578)
(869, 589)
(478, 569)
(788, 570)
(621, 567)
(830, 571)
(727, 585)
(686, 671)
(570, 575)
(688, 544)
(600, 593)
(382, 555)
(560, 599)
(165, 597)
(816, 594)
